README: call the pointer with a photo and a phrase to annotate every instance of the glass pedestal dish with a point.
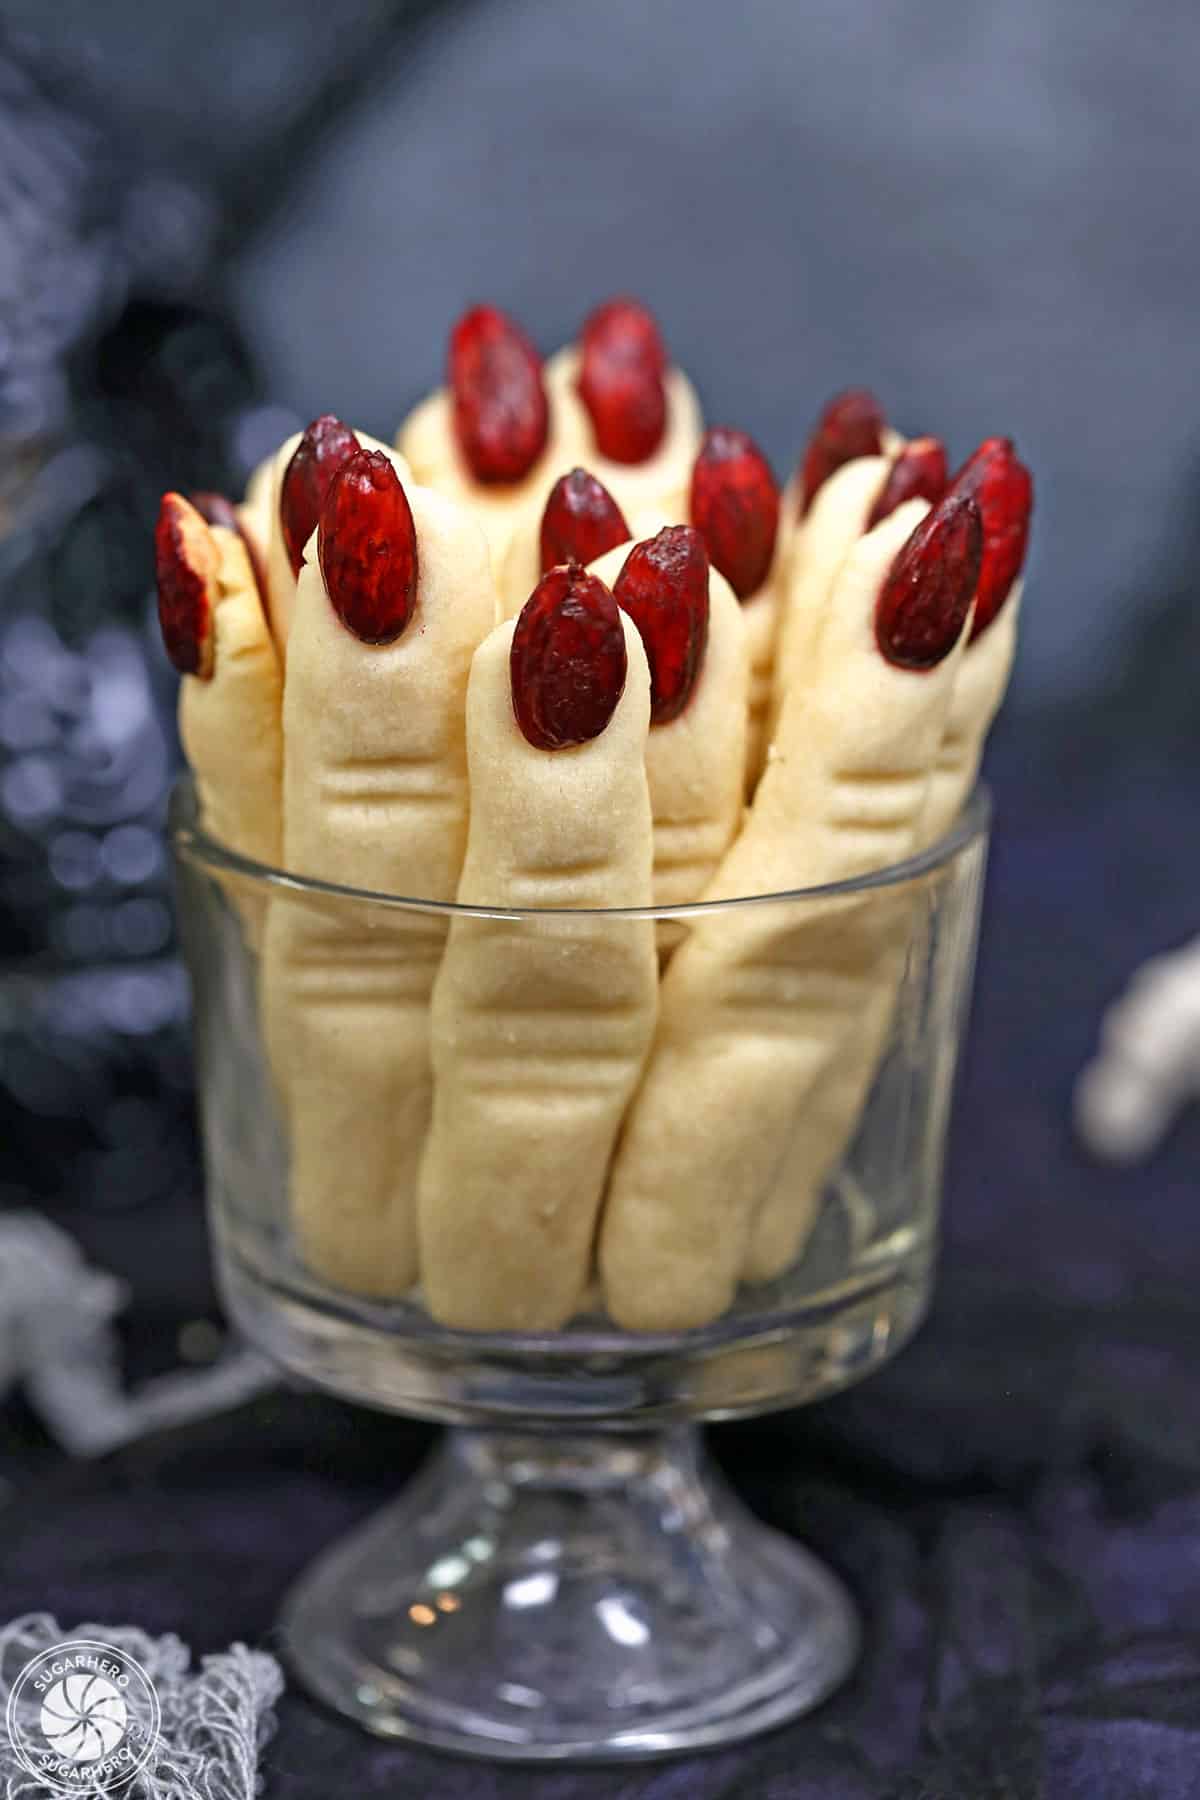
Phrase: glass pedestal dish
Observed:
(568, 1578)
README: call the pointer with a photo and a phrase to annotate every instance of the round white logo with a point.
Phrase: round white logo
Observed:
(83, 1713)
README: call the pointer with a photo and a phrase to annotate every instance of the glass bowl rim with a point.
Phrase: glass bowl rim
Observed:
(194, 846)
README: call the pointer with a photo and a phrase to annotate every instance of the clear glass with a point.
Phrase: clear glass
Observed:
(568, 1578)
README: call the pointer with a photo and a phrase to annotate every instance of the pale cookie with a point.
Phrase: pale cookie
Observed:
(521, 565)
(375, 797)
(833, 525)
(832, 1111)
(281, 583)
(659, 484)
(540, 1025)
(979, 689)
(694, 762)
(761, 612)
(756, 1002)
(231, 728)
(427, 441)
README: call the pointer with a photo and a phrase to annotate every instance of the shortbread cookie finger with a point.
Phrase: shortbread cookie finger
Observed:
(301, 472)
(491, 438)
(639, 417)
(215, 509)
(394, 595)
(541, 1024)
(831, 1113)
(856, 496)
(755, 1003)
(578, 523)
(230, 696)
(734, 504)
(693, 632)
(1001, 486)
(850, 426)
(833, 524)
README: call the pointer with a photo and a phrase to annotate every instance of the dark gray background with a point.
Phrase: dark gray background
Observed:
(988, 212)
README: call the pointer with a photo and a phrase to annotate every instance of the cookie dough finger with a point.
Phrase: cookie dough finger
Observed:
(230, 694)
(734, 503)
(300, 473)
(493, 438)
(638, 416)
(541, 1024)
(578, 523)
(394, 595)
(832, 1111)
(755, 1003)
(694, 635)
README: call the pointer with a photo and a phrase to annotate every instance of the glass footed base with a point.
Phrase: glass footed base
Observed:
(572, 1597)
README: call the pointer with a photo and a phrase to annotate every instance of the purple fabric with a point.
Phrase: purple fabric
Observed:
(1015, 1502)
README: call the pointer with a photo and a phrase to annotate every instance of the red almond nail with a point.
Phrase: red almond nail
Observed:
(325, 446)
(568, 662)
(367, 547)
(581, 521)
(997, 478)
(628, 326)
(217, 510)
(851, 425)
(735, 506)
(926, 593)
(186, 563)
(664, 589)
(918, 473)
(501, 419)
(621, 369)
